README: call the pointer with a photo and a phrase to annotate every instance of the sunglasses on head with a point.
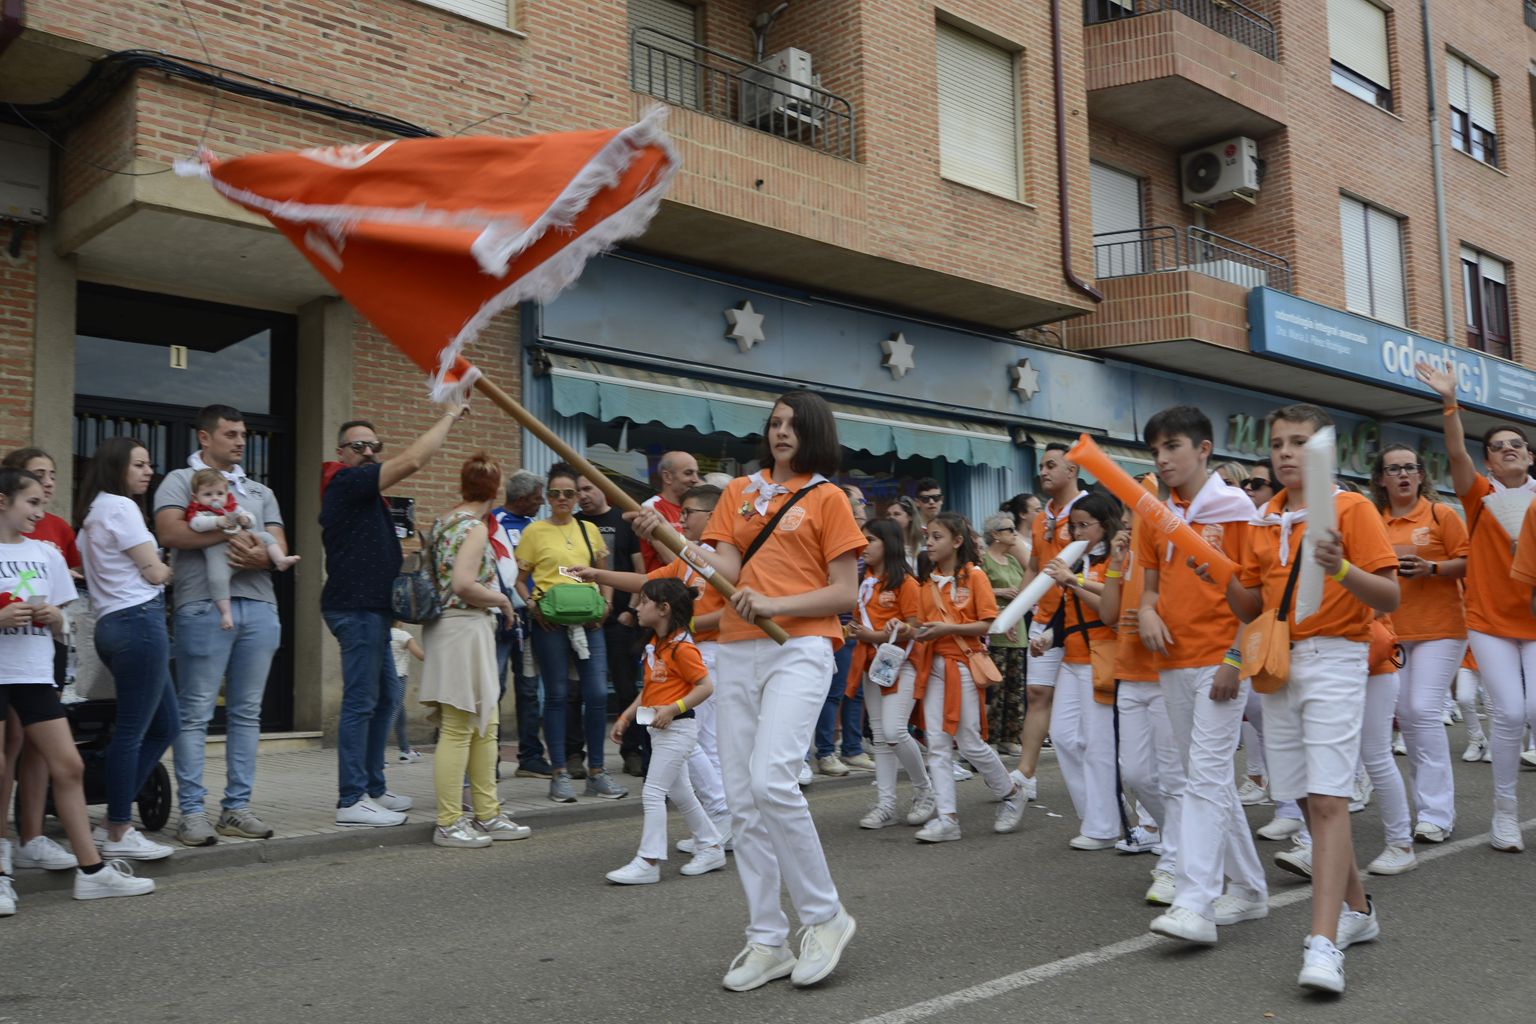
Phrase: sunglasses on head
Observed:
(561, 492)
(365, 446)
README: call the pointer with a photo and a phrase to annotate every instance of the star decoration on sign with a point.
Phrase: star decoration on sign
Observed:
(1026, 379)
(898, 355)
(746, 326)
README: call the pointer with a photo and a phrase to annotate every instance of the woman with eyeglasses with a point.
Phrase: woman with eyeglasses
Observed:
(1006, 572)
(903, 512)
(1431, 625)
(1500, 626)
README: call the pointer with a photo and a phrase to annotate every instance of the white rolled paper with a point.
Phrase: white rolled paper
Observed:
(1037, 588)
(1319, 469)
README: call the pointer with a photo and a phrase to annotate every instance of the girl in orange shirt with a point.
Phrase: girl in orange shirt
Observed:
(887, 599)
(957, 607)
(676, 682)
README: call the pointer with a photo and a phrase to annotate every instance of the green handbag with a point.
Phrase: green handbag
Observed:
(573, 604)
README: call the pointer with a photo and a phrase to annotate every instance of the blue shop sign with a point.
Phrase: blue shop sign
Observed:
(1281, 326)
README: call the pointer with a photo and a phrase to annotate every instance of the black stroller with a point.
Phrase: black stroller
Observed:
(92, 722)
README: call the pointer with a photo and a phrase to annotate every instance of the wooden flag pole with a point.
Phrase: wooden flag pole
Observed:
(665, 536)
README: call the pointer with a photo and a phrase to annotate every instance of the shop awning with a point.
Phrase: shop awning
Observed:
(608, 392)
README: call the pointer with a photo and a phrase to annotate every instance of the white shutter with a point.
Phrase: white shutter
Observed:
(1357, 39)
(1116, 221)
(978, 113)
(1384, 235)
(662, 67)
(1357, 269)
(1456, 82)
(1480, 95)
(491, 12)
(1492, 269)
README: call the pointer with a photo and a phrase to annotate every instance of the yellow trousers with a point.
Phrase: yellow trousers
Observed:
(461, 749)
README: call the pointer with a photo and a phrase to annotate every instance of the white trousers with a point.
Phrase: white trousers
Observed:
(704, 762)
(1467, 686)
(1429, 668)
(770, 697)
(668, 777)
(1508, 668)
(1382, 696)
(1083, 735)
(1312, 724)
(1043, 669)
(1150, 766)
(1214, 841)
(1253, 736)
(893, 743)
(941, 745)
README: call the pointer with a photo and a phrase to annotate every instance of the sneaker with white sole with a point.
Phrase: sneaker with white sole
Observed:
(1393, 861)
(1230, 908)
(924, 807)
(1162, 889)
(1528, 758)
(637, 872)
(722, 826)
(1088, 843)
(601, 785)
(879, 817)
(1009, 812)
(1506, 833)
(939, 830)
(134, 846)
(1279, 829)
(1453, 714)
(1399, 745)
(1251, 794)
(501, 829)
(756, 965)
(460, 835)
(1139, 841)
(116, 878)
(7, 896)
(42, 852)
(805, 778)
(1297, 860)
(1356, 927)
(1185, 924)
(1425, 832)
(196, 829)
(367, 814)
(393, 801)
(1322, 966)
(963, 773)
(821, 946)
(831, 765)
(711, 858)
(1030, 786)
(859, 762)
(1364, 790)
(242, 823)
(1477, 750)
(561, 791)
(408, 756)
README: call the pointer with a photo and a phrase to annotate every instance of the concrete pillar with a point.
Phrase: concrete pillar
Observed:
(53, 378)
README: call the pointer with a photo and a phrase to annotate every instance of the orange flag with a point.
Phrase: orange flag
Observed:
(431, 238)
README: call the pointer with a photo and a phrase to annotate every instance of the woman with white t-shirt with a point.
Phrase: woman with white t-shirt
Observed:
(126, 580)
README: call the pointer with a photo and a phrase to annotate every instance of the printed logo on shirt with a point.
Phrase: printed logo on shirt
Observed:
(1421, 537)
(1064, 531)
(887, 600)
(1212, 534)
(962, 595)
(658, 671)
(792, 519)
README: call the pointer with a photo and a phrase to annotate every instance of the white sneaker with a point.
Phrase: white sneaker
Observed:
(367, 814)
(7, 897)
(133, 846)
(42, 852)
(1279, 829)
(1322, 966)
(963, 773)
(1355, 927)
(1506, 833)
(939, 830)
(1082, 842)
(924, 807)
(1399, 747)
(1183, 923)
(1030, 786)
(722, 826)
(1393, 861)
(1297, 860)
(1231, 908)
(1528, 758)
(393, 801)
(711, 858)
(879, 817)
(1162, 889)
(1364, 789)
(832, 765)
(1477, 750)
(1252, 794)
(5, 856)
(636, 872)
(821, 946)
(756, 965)
(408, 756)
(806, 777)
(116, 878)
(1139, 841)
(1009, 812)
(1424, 832)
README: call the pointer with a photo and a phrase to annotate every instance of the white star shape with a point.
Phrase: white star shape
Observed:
(898, 355)
(1026, 379)
(746, 326)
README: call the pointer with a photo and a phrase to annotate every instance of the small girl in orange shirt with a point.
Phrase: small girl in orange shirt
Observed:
(676, 682)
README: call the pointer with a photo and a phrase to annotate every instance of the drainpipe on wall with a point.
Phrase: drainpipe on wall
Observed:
(1061, 163)
(1439, 172)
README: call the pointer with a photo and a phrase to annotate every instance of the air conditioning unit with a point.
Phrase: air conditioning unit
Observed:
(23, 176)
(770, 102)
(1218, 172)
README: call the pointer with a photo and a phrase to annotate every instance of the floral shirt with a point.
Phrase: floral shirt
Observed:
(446, 538)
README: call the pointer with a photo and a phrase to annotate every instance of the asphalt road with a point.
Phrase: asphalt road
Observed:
(993, 928)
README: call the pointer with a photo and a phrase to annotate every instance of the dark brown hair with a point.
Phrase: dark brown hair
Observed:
(1379, 476)
(816, 431)
(107, 473)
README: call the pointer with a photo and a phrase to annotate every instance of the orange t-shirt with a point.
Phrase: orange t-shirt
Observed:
(1134, 663)
(1048, 538)
(672, 669)
(971, 600)
(882, 608)
(1203, 625)
(706, 599)
(1493, 606)
(1431, 606)
(1365, 546)
(819, 529)
(1524, 567)
(1075, 649)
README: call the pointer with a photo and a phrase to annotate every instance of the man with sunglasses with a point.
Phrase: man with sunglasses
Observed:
(930, 499)
(362, 559)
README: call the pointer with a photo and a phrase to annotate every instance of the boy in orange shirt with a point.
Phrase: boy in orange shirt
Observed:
(1312, 724)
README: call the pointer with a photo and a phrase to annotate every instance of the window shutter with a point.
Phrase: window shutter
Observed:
(1480, 96)
(1456, 82)
(662, 67)
(978, 113)
(1357, 39)
(1492, 269)
(1116, 220)
(491, 12)
(1385, 238)
(1357, 269)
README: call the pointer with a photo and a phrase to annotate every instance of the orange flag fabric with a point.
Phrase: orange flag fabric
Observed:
(431, 238)
(1154, 514)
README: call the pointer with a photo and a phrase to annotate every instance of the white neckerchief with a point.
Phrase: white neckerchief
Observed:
(766, 490)
(235, 476)
(941, 581)
(1498, 488)
(866, 594)
(1286, 520)
(1052, 518)
(1216, 502)
(650, 648)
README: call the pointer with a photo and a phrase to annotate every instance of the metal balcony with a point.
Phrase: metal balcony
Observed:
(1161, 248)
(1228, 17)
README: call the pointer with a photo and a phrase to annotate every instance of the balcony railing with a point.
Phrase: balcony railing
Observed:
(688, 74)
(1229, 17)
(1530, 13)
(1160, 248)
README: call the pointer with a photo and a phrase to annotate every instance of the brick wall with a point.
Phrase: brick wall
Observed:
(18, 294)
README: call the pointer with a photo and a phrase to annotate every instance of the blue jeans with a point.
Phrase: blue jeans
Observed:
(239, 658)
(134, 646)
(553, 647)
(370, 696)
(525, 690)
(853, 711)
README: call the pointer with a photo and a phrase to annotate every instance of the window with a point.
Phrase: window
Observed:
(978, 113)
(491, 12)
(1485, 287)
(1096, 11)
(1373, 262)
(1357, 45)
(1469, 93)
(1117, 223)
(663, 60)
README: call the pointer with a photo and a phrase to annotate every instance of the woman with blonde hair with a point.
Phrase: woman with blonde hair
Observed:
(903, 512)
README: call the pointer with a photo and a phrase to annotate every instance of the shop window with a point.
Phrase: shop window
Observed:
(978, 113)
(1373, 262)
(1485, 287)
(491, 12)
(1469, 94)
(663, 57)
(1359, 49)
